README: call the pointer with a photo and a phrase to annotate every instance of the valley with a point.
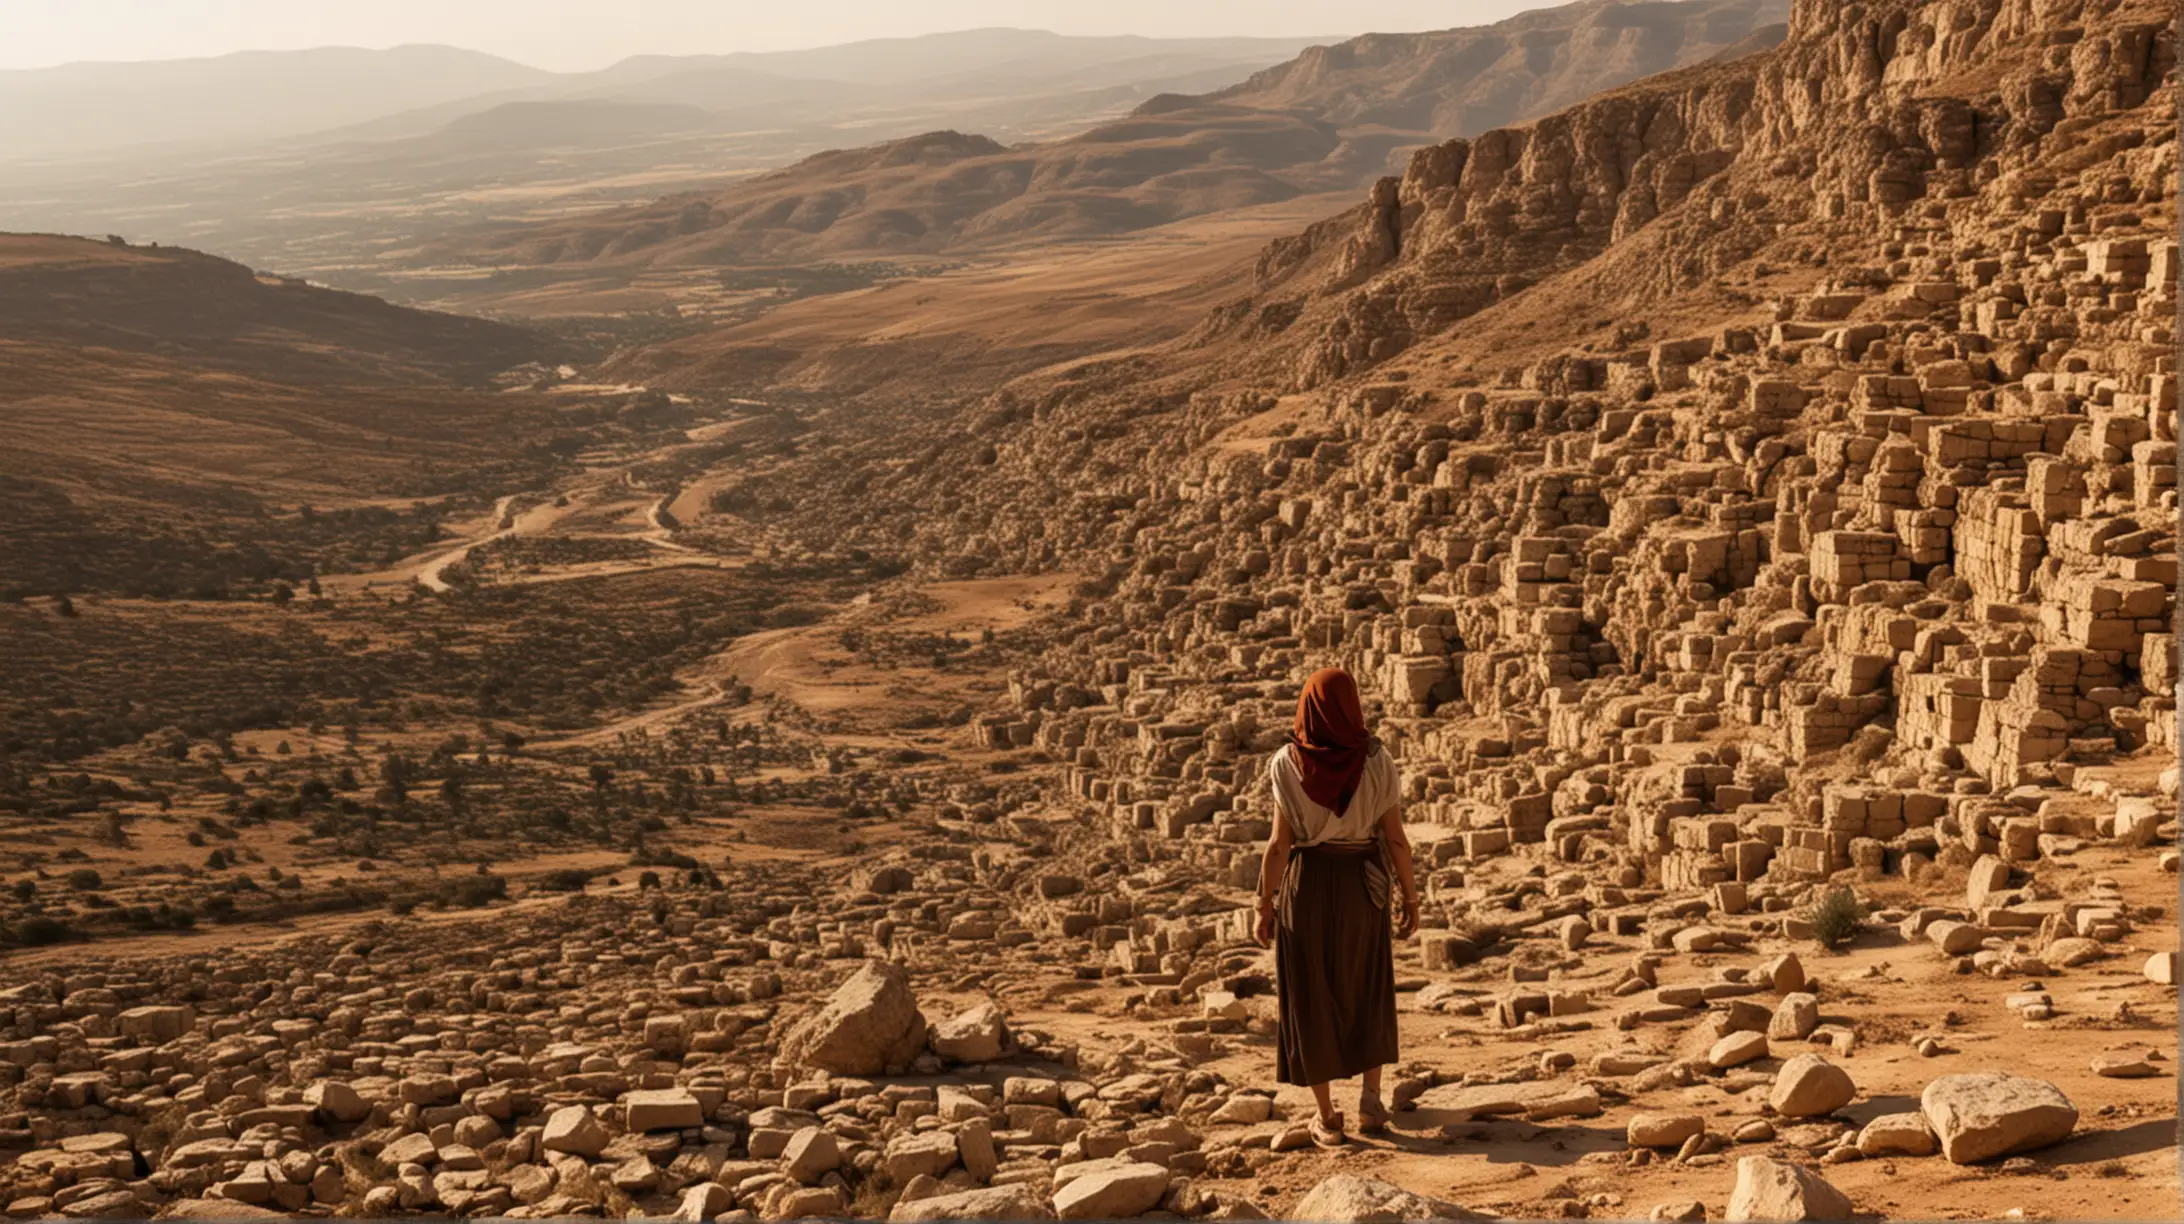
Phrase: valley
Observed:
(754, 700)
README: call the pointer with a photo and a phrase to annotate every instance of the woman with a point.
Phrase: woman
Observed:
(1323, 901)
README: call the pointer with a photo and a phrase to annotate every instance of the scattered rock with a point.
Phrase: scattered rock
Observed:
(1737, 1049)
(1809, 1086)
(1772, 1190)
(1347, 1198)
(812, 1153)
(870, 1025)
(1117, 1190)
(1244, 1109)
(1794, 1018)
(1012, 1202)
(662, 1109)
(2124, 1066)
(1987, 1114)
(573, 1129)
(1662, 1130)
(1898, 1134)
(337, 1101)
(975, 1035)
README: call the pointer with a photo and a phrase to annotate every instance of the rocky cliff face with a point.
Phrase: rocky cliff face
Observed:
(1864, 107)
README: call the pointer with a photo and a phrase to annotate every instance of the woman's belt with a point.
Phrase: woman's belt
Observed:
(1339, 849)
(1376, 869)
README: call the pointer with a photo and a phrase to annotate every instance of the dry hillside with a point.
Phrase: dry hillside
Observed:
(1331, 118)
(170, 415)
(1412, 89)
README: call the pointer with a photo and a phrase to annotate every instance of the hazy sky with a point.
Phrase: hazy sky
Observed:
(579, 34)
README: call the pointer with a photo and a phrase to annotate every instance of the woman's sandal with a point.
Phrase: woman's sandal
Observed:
(1372, 1116)
(1328, 1136)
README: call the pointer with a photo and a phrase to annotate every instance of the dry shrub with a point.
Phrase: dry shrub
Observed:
(1836, 916)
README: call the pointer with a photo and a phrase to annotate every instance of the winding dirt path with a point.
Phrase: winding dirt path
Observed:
(432, 574)
(429, 569)
(714, 695)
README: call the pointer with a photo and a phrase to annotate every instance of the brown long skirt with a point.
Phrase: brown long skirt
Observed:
(1334, 966)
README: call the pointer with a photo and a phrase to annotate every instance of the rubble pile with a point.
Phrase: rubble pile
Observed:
(1885, 585)
(597, 1057)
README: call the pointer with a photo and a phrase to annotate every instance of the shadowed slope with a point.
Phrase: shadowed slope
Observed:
(167, 414)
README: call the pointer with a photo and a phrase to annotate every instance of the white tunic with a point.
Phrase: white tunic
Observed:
(1309, 823)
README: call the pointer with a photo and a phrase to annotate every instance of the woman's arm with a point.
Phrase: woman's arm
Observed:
(1391, 835)
(1271, 869)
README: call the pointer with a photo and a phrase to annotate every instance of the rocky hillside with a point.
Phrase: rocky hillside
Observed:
(1657, 190)
(1332, 118)
(1677, 469)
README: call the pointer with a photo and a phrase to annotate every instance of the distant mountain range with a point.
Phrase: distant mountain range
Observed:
(347, 93)
(80, 109)
(360, 168)
(1334, 117)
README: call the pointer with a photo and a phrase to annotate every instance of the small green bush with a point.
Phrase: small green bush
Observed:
(1836, 917)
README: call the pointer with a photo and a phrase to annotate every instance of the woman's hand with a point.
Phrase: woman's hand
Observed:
(1398, 845)
(1263, 930)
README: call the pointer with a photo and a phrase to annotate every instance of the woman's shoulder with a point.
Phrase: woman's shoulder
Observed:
(1381, 759)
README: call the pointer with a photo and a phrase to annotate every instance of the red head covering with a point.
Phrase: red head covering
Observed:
(1329, 741)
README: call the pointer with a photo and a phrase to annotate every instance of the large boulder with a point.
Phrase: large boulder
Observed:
(1773, 1190)
(1993, 1113)
(1809, 1086)
(573, 1129)
(1116, 1190)
(978, 1034)
(871, 1025)
(1368, 1200)
(1012, 1202)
